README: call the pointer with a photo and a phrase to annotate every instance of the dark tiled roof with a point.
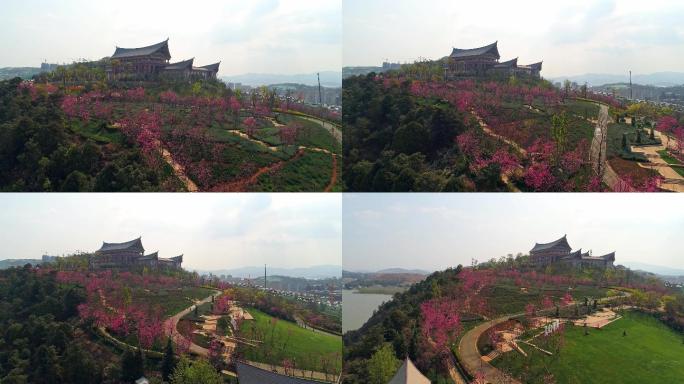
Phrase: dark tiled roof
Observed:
(487, 49)
(507, 64)
(211, 67)
(187, 64)
(536, 66)
(574, 255)
(543, 246)
(178, 258)
(162, 47)
(248, 374)
(608, 256)
(133, 245)
(151, 256)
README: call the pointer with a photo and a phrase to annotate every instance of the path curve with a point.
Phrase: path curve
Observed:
(472, 360)
(178, 170)
(333, 177)
(673, 181)
(171, 323)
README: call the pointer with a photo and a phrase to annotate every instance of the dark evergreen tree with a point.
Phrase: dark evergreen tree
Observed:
(169, 361)
(78, 367)
(131, 365)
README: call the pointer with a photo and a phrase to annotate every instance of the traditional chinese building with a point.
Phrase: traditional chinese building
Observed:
(485, 60)
(154, 60)
(130, 254)
(559, 251)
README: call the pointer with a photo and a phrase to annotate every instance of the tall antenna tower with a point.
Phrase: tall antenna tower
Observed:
(320, 98)
(264, 276)
(630, 84)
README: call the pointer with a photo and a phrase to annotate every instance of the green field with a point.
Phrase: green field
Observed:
(171, 301)
(649, 353)
(582, 108)
(306, 348)
(509, 299)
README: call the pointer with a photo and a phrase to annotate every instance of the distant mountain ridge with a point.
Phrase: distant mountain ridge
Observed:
(330, 79)
(389, 271)
(660, 79)
(9, 263)
(313, 272)
(657, 269)
(402, 270)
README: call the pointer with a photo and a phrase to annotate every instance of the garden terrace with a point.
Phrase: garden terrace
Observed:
(509, 134)
(221, 144)
(634, 349)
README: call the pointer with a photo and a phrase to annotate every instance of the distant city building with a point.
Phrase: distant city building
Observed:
(153, 60)
(485, 60)
(48, 258)
(129, 254)
(559, 251)
(390, 66)
(46, 67)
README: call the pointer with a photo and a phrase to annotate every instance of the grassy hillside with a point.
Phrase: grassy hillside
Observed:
(286, 340)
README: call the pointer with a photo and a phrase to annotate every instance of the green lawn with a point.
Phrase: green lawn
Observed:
(582, 108)
(288, 340)
(312, 134)
(509, 299)
(100, 132)
(671, 160)
(650, 353)
(308, 173)
(171, 301)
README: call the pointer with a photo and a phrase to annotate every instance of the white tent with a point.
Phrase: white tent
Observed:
(408, 374)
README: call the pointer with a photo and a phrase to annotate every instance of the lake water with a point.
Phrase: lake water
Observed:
(357, 308)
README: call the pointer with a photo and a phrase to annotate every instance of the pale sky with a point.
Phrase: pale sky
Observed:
(571, 37)
(213, 231)
(435, 231)
(255, 36)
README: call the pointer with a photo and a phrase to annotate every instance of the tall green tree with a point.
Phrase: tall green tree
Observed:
(559, 132)
(198, 371)
(382, 365)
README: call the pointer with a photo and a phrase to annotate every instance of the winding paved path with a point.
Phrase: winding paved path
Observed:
(673, 180)
(178, 170)
(172, 322)
(334, 131)
(472, 360)
(599, 143)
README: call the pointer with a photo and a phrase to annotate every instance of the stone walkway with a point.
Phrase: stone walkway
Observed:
(673, 180)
